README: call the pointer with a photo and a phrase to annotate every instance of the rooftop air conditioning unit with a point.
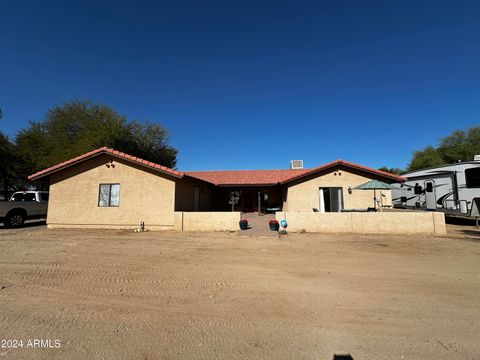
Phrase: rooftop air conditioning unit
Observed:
(476, 158)
(296, 164)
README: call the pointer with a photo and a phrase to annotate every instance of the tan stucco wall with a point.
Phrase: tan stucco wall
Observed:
(184, 195)
(110, 227)
(317, 222)
(145, 195)
(207, 221)
(366, 223)
(304, 194)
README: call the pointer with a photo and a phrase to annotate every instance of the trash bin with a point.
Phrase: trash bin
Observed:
(274, 225)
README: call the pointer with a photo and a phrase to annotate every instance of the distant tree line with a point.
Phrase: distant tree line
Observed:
(77, 127)
(73, 129)
(461, 145)
(395, 171)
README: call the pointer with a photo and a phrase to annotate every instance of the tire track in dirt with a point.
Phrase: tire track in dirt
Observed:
(114, 294)
(73, 281)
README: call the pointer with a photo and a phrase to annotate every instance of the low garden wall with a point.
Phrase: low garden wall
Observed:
(366, 223)
(207, 221)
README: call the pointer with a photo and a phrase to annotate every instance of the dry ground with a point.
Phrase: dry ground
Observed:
(119, 295)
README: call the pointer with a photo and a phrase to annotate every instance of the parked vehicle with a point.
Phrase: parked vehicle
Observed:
(453, 189)
(23, 205)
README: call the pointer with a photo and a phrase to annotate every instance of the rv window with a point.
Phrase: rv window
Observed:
(429, 187)
(472, 176)
(417, 189)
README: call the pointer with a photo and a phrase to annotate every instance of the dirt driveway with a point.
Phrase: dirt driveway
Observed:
(119, 295)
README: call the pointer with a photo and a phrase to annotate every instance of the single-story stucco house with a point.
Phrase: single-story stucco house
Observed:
(108, 188)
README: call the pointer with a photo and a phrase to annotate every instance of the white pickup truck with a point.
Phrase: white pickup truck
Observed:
(23, 205)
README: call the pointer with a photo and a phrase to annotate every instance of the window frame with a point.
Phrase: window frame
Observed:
(477, 178)
(429, 186)
(109, 195)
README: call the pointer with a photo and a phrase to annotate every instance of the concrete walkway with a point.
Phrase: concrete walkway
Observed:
(258, 224)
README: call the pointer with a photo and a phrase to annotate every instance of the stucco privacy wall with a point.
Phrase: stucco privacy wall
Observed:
(303, 195)
(145, 195)
(207, 221)
(366, 223)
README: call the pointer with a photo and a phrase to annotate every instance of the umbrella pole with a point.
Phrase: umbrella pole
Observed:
(381, 201)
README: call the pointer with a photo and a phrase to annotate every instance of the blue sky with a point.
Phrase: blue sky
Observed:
(253, 84)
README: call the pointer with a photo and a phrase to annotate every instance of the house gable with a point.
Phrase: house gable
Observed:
(145, 196)
(303, 193)
(101, 151)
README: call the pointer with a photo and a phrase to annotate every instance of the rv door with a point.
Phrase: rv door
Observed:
(430, 198)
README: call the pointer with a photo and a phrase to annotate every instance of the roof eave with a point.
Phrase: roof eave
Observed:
(246, 185)
(347, 164)
(42, 173)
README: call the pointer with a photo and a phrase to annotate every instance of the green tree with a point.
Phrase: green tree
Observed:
(81, 126)
(428, 157)
(460, 145)
(5, 164)
(147, 141)
(11, 168)
(394, 171)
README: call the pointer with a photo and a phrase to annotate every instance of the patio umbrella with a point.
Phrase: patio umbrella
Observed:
(374, 185)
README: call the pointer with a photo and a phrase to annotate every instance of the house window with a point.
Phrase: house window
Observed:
(109, 195)
(472, 177)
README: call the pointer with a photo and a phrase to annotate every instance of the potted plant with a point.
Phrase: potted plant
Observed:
(274, 225)
(243, 224)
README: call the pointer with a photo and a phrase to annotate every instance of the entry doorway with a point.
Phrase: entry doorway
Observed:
(249, 200)
(331, 199)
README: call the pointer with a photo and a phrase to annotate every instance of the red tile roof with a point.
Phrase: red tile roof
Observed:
(221, 178)
(351, 165)
(245, 177)
(105, 150)
(273, 177)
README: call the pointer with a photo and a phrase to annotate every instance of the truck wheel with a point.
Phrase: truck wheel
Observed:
(15, 219)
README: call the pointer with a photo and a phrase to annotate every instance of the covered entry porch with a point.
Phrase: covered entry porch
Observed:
(249, 199)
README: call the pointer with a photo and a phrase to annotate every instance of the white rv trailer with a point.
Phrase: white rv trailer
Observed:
(453, 189)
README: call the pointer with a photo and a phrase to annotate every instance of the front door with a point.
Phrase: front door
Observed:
(331, 199)
(249, 199)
